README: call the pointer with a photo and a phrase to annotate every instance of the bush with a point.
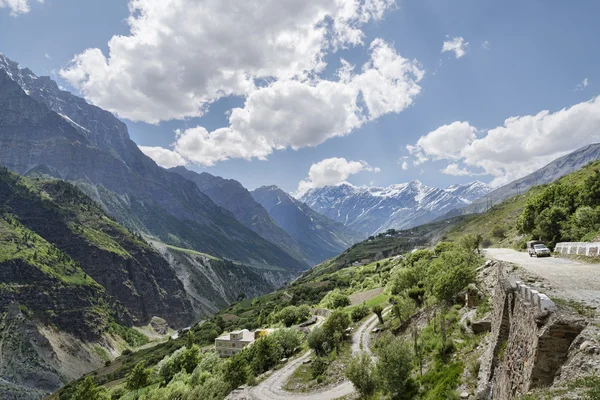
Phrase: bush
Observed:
(317, 340)
(318, 367)
(394, 366)
(361, 373)
(359, 312)
(498, 231)
(335, 299)
(138, 378)
(288, 340)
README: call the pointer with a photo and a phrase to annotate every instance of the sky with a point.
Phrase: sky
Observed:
(306, 94)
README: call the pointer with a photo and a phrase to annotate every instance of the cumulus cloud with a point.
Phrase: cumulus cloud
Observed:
(294, 114)
(182, 55)
(331, 171)
(486, 45)
(164, 157)
(17, 6)
(524, 144)
(454, 169)
(457, 45)
(447, 141)
(404, 165)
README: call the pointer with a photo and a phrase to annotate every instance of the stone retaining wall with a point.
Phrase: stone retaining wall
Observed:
(528, 343)
(590, 249)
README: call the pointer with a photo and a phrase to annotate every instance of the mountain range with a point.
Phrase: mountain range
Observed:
(370, 210)
(318, 236)
(556, 169)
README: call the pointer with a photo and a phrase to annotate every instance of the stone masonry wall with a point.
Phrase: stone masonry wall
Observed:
(529, 341)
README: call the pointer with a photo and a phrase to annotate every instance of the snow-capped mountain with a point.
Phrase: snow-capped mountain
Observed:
(369, 209)
(470, 191)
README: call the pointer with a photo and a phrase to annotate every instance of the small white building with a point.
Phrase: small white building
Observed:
(232, 343)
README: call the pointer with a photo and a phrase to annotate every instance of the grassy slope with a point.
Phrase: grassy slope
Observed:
(506, 213)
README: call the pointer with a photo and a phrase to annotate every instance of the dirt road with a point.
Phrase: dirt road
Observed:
(566, 278)
(272, 387)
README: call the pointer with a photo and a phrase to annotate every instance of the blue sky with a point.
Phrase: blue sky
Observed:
(521, 58)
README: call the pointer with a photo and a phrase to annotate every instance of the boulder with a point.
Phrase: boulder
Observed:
(481, 326)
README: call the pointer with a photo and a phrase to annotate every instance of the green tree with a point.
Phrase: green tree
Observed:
(549, 223)
(378, 310)
(359, 312)
(393, 368)
(361, 373)
(288, 340)
(190, 339)
(234, 371)
(138, 378)
(190, 358)
(289, 315)
(88, 390)
(318, 341)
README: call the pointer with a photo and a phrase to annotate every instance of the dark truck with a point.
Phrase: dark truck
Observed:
(538, 249)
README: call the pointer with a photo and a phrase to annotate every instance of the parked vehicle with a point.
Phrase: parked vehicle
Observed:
(538, 249)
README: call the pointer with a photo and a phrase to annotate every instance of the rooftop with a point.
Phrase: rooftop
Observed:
(246, 335)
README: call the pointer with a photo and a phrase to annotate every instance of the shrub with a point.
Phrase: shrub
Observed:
(394, 366)
(359, 312)
(138, 378)
(361, 373)
(318, 367)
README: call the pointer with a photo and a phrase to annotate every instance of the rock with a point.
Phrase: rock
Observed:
(464, 395)
(481, 326)
(159, 325)
(585, 345)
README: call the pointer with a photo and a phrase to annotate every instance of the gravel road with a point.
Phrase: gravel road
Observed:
(566, 278)
(272, 387)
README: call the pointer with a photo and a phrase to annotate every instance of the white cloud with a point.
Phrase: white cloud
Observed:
(447, 141)
(526, 143)
(164, 157)
(17, 6)
(486, 45)
(582, 85)
(404, 165)
(294, 114)
(454, 169)
(457, 45)
(331, 171)
(182, 55)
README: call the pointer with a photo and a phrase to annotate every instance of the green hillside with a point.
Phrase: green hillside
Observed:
(84, 268)
(565, 210)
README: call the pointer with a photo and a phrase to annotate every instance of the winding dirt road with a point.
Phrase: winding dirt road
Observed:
(272, 387)
(566, 278)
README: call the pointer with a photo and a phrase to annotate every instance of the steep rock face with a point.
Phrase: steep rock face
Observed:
(558, 168)
(375, 209)
(319, 236)
(69, 222)
(41, 125)
(213, 284)
(231, 195)
(35, 360)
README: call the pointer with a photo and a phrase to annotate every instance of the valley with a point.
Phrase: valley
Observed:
(117, 274)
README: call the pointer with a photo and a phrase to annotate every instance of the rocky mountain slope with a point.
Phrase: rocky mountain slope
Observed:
(375, 209)
(231, 195)
(43, 126)
(550, 173)
(213, 284)
(319, 237)
(69, 275)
